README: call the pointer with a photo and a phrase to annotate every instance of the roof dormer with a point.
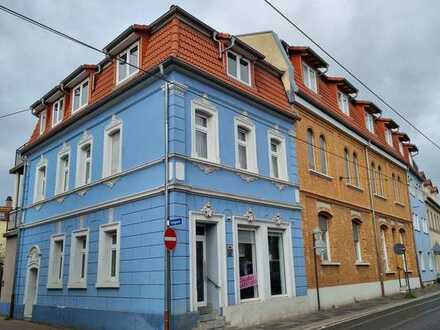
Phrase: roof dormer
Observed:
(344, 92)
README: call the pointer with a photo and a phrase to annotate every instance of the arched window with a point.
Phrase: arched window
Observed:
(373, 178)
(323, 154)
(324, 220)
(380, 181)
(356, 179)
(386, 267)
(347, 166)
(310, 149)
(399, 189)
(403, 241)
(357, 240)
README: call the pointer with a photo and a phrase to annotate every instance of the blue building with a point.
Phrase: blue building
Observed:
(99, 180)
(423, 241)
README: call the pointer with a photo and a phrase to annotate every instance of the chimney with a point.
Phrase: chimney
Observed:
(8, 202)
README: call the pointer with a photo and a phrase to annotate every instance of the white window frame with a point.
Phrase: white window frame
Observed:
(40, 197)
(104, 279)
(58, 114)
(238, 77)
(389, 136)
(343, 102)
(422, 261)
(425, 225)
(327, 239)
(43, 121)
(80, 166)
(282, 155)
(262, 228)
(358, 245)
(400, 147)
(251, 144)
(59, 181)
(118, 63)
(53, 281)
(212, 132)
(369, 122)
(81, 86)
(115, 125)
(76, 252)
(384, 250)
(310, 77)
(416, 222)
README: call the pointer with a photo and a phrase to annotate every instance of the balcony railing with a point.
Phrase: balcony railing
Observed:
(14, 219)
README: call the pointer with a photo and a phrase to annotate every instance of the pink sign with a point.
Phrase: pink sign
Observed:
(248, 281)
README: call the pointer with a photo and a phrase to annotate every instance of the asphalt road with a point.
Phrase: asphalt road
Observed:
(420, 315)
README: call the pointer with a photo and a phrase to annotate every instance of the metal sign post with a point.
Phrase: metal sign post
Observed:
(318, 244)
(400, 249)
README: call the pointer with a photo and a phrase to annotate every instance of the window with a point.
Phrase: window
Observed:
(343, 103)
(276, 263)
(310, 149)
(323, 226)
(108, 255)
(323, 154)
(373, 178)
(205, 135)
(356, 178)
(40, 183)
(401, 147)
(421, 261)
(62, 184)
(398, 190)
(402, 241)
(84, 164)
(56, 262)
(384, 250)
(430, 261)
(80, 95)
(239, 68)
(128, 62)
(416, 221)
(57, 112)
(357, 241)
(309, 77)
(277, 153)
(79, 251)
(389, 136)
(347, 166)
(425, 225)
(381, 181)
(246, 149)
(369, 122)
(43, 121)
(247, 264)
(112, 148)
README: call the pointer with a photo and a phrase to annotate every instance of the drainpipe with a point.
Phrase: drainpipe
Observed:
(373, 214)
(17, 249)
(167, 262)
(220, 44)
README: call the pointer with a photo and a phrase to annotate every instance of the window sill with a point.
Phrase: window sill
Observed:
(380, 197)
(54, 286)
(107, 285)
(362, 264)
(320, 174)
(126, 79)
(74, 111)
(330, 263)
(77, 285)
(250, 300)
(352, 186)
(399, 204)
(390, 272)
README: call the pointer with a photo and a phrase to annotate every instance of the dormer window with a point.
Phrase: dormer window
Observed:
(343, 103)
(369, 122)
(309, 77)
(389, 136)
(239, 68)
(42, 121)
(401, 147)
(128, 63)
(80, 95)
(58, 112)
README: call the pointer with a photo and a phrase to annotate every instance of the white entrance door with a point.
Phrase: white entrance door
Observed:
(201, 273)
(31, 292)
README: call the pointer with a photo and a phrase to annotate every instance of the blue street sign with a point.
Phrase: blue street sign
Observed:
(175, 222)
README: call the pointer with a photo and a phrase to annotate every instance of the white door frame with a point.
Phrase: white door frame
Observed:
(219, 221)
(33, 263)
(202, 238)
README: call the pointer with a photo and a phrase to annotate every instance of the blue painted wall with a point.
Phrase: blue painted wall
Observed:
(139, 300)
(422, 238)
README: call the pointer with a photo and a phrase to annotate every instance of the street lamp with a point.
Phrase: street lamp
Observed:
(318, 244)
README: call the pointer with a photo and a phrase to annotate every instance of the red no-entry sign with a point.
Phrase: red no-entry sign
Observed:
(170, 239)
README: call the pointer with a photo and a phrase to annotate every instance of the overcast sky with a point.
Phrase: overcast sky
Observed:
(394, 46)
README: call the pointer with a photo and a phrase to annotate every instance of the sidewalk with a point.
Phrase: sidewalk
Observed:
(25, 325)
(328, 317)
